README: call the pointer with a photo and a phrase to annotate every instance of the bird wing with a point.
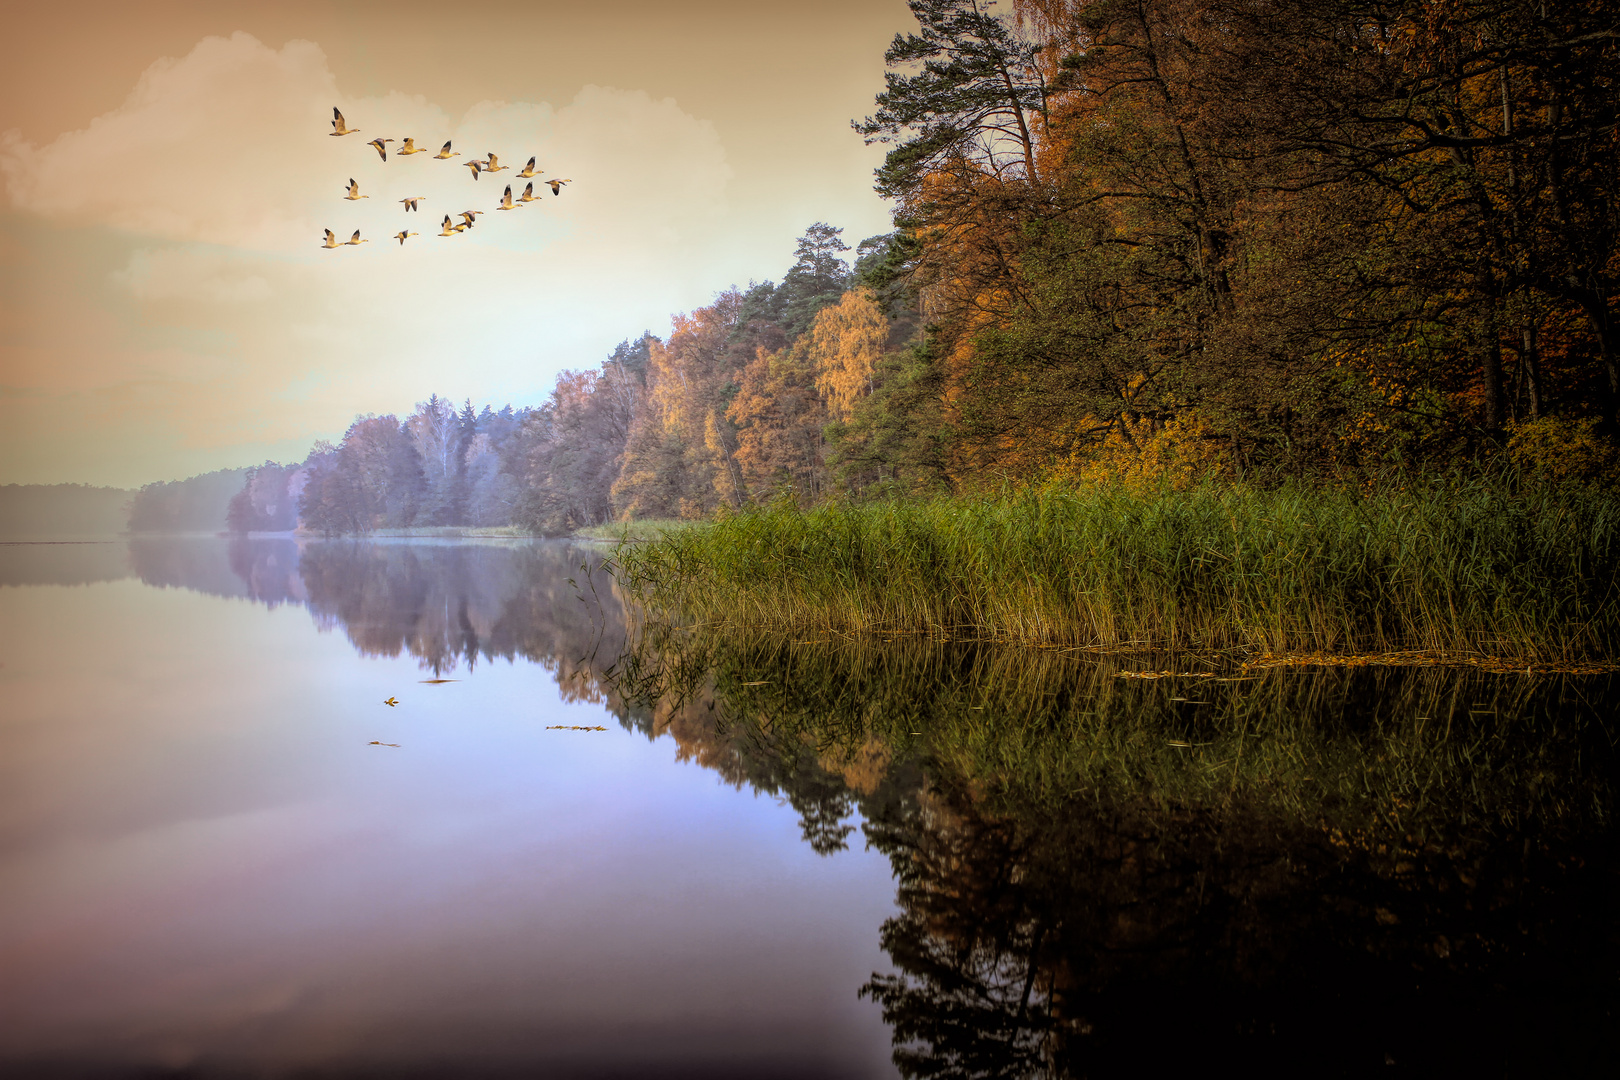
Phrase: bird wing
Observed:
(355, 237)
(493, 161)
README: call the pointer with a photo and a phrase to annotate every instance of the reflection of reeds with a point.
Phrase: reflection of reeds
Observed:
(1463, 567)
(1373, 753)
(1275, 860)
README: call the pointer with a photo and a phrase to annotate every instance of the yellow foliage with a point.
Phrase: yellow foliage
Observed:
(725, 469)
(1560, 449)
(1177, 452)
(846, 341)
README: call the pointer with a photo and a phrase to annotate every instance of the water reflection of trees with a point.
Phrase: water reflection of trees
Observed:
(1301, 871)
(459, 604)
(450, 605)
(1098, 873)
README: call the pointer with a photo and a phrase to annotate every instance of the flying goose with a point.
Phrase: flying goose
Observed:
(409, 147)
(529, 171)
(355, 239)
(448, 229)
(410, 203)
(494, 164)
(444, 153)
(475, 166)
(506, 202)
(402, 234)
(469, 215)
(528, 192)
(382, 150)
(331, 241)
(391, 700)
(354, 191)
(339, 126)
(556, 185)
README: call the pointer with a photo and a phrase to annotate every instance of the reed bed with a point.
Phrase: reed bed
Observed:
(1471, 567)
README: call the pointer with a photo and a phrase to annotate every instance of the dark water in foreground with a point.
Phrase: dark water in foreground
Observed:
(782, 858)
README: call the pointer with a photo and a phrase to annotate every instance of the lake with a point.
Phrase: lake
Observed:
(586, 843)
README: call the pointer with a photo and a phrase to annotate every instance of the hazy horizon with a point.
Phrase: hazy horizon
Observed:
(170, 311)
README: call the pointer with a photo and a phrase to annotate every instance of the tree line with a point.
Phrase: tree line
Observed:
(1276, 238)
(1280, 236)
(734, 406)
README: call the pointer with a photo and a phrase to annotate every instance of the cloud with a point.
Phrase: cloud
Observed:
(228, 325)
(206, 148)
(230, 145)
(211, 276)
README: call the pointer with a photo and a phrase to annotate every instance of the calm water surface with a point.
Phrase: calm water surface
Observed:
(781, 858)
(207, 866)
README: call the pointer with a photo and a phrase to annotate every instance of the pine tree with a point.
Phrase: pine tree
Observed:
(817, 278)
(977, 97)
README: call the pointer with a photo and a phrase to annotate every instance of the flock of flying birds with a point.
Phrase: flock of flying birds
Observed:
(491, 164)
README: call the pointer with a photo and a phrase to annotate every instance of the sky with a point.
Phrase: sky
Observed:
(168, 170)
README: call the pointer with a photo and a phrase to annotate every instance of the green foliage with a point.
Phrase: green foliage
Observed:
(817, 278)
(897, 440)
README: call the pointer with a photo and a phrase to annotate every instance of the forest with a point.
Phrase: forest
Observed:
(1164, 241)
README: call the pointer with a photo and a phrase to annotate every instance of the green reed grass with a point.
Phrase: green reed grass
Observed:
(1474, 567)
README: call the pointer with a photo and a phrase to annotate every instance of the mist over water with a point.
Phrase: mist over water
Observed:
(784, 858)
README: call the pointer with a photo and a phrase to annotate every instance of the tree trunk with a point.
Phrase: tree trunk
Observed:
(1530, 362)
(1493, 386)
(1596, 307)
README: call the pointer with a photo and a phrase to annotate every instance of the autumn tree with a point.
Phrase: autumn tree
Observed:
(196, 504)
(268, 501)
(779, 418)
(846, 342)
(574, 445)
(679, 459)
(436, 434)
